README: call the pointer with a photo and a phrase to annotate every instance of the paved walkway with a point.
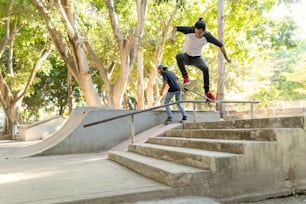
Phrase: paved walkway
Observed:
(88, 178)
(55, 179)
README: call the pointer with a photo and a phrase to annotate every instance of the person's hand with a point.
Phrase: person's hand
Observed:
(161, 93)
(228, 60)
(172, 39)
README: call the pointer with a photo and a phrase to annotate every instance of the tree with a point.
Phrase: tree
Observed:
(22, 58)
(288, 75)
(51, 90)
(127, 46)
(126, 37)
(221, 71)
(162, 29)
(69, 43)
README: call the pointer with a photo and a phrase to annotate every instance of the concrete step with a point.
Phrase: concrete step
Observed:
(231, 146)
(228, 134)
(280, 122)
(203, 159)
(170, 173)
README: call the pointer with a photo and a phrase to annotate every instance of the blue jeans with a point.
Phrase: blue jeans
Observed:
(168, 98)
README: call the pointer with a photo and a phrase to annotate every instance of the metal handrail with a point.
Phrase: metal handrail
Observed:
(162, 106)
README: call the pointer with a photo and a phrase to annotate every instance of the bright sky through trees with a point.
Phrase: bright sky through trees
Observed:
(297, 11)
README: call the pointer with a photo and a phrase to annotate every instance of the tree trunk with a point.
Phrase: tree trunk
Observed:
(221, 70)
(11, 100)
(73, 52)
(128, 48)
(139, 93)
(69, 92)
(11, 121)
(152, 87)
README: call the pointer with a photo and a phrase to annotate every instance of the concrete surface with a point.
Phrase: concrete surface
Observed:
(74, 138)
(182, 200)
(41, 129)
(88, 178)
(40, 146)
(58, 179)
(299, 199)
(73, 178)
(274, 167)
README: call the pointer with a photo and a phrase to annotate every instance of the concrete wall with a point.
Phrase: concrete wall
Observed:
(267, 113)
(103, 136)
(40, 130)
(276, 168)
(292, 149)
(2, 117)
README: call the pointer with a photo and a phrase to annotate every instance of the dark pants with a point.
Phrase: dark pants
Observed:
(183, 59)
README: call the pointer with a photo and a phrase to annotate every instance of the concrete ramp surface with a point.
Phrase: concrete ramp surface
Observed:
(74, 138)
(32, 148)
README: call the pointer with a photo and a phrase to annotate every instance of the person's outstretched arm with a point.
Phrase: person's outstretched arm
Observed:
(224, 54)
(173, 34)
(211, 39)
(161, 92)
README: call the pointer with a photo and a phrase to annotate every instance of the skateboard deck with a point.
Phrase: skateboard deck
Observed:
(208, 100)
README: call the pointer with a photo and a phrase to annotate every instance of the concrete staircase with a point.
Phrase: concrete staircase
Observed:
(226, 158)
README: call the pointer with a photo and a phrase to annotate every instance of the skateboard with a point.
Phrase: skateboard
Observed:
(208, 100)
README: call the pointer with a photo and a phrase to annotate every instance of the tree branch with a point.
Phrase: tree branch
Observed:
(6, 37)
(141, 15)
(99, 63)
(114, 22)
(57, 38)
(4, 106)
(43, 56)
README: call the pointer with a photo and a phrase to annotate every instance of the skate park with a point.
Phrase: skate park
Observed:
(67, 168)
(81, 88)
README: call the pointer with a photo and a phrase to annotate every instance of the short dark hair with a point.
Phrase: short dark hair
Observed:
(161, 66)
(200, 24)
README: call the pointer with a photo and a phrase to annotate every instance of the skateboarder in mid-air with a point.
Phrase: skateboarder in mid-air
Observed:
(195, 38)
(174, 90)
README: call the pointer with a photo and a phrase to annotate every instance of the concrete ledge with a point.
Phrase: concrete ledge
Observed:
(232, 134)
(277, 122)
(171, 173)
(40, 130)
(231, 146)
(267, 113)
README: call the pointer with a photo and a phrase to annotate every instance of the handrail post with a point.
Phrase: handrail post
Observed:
(252, 110)
(132, 129)
(194, 112)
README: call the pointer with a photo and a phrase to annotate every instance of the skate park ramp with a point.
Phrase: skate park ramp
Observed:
(73, 138)
(27, 149)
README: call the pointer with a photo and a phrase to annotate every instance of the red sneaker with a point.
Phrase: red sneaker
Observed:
(210, 96)
(186, 80)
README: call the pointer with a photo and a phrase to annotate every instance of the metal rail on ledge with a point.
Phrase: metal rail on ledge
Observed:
(162, 106)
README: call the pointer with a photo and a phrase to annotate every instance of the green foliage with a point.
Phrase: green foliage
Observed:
(288, 1)
(283, 34)
(27, 45)
(266, 96)
(180, 3)
(289, 73)
(264, 65)
(50, 91)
